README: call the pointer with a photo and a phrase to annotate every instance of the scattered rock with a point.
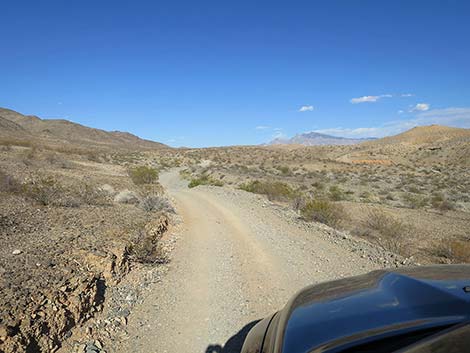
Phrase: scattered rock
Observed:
(108, 189)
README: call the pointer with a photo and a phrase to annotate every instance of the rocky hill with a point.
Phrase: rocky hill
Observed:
(316, 139)
(17, 126)
(429, 145)
(426, 135)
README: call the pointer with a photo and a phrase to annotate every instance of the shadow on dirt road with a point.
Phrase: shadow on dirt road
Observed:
(235, 343)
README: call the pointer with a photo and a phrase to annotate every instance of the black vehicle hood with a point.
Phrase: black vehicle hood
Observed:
(336, 315)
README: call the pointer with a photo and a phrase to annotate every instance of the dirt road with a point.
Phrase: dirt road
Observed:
(236, 261)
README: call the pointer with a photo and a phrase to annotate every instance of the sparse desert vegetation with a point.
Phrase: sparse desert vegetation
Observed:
(323, 211)
(81, 218)
(73, 222)
(274, 190)
(415, 185)
(142, 175)
(234, 176)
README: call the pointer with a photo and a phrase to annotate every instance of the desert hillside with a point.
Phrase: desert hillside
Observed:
(58, 131)
(80, 209)
(416, 182)
(433, 145)
(426, 135)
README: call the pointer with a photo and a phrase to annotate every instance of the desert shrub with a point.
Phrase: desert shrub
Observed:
(29, 155)
(88, 194)
(299, 202)
(414, 189)
(44, 190)
(440, 202)
(48, 191)
(389, 232)
(442, 249)
(383, 223)
(323, 211)
(146, 248)
(336, 194)
(185, 174)
(275, 190)
(4, 222)
(126, 196)
(55, 159)
(460, 250)
(318, 185)
(145, 244)
(415, 201)
(50, 157)
(150, 189)
(285, 170)
(9, 183)
(143, 175)
(204, 180)
(369, 197)
(93, 156)
(156, 203)
(457, 251)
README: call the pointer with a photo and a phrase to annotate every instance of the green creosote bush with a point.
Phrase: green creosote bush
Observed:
(336, 193)
(143, 175)
(204, 180)
(274, 190)
(323, 211)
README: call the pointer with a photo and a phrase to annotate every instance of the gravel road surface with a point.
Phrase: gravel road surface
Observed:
(237, 260)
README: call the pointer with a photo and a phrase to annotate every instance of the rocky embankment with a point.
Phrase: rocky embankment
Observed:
(55, 284)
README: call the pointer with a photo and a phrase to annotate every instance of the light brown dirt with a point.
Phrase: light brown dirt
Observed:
(236, 261)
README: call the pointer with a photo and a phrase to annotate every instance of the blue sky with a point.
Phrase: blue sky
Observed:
(208, 73)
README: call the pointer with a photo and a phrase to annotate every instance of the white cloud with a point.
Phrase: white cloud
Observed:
(420, 107)
(369, 99)
(373, 99)
(457, 117)
(306, 108)
(262, 127)
(365, 99)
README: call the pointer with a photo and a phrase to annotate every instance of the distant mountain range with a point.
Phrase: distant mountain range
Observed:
(315, 139)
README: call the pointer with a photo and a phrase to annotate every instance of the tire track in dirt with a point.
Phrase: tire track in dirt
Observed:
(223, 276)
